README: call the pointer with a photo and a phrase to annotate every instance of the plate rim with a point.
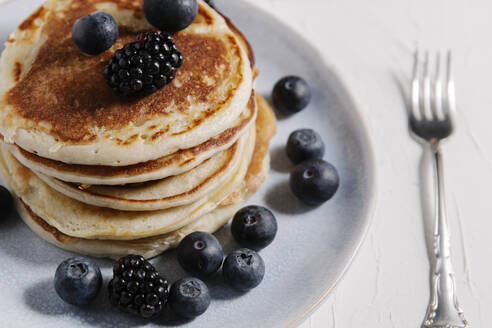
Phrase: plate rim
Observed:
(366, 138)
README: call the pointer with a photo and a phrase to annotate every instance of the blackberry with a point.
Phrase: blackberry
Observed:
(137, 288)
(144, 66)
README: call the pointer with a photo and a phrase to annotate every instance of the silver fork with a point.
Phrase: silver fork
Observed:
(430, 119)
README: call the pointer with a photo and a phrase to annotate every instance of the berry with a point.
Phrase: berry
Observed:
(78, 280)
(95, 32)
(200, 254)
(6, 202)
(243, 269)
(189, 297)
(137, 288)
(142, 67)
(170, 15)
(254, 227)
(314, 181)
(304, 144)
(291, 95)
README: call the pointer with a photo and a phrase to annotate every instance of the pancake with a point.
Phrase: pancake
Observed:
(153, 246)
(178, 190)
(170, 165)
(85, 221)
(55, 103)
(147, 247)
(77, 219)
(266, 127)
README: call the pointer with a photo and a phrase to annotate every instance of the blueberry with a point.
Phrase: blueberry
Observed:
(314, 181)
(200, 253)
(291, 95)
(189, 297)
(78, 280)
(95, 32)
(243, 269)
(170, 15)
(304, 144)
(254, 227)
(6, 202)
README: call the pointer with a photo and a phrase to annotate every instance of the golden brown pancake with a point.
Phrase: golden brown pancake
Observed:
(152, 246)
(170, 165)
(178, 190)
(57, 104)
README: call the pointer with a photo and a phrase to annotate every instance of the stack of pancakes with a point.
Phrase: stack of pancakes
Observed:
(103, 175)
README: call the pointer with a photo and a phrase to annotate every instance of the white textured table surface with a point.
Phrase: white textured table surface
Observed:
(370, 43)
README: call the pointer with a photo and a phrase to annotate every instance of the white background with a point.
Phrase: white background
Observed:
(370, 44)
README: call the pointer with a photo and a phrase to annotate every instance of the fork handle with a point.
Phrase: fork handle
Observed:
(443, 310)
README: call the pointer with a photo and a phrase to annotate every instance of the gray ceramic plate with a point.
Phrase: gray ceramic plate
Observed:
(313, 247)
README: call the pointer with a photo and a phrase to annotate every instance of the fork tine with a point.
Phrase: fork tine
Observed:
(415, 92)
(450, 90)
(437, 109)
(425, 107)
(432, 99)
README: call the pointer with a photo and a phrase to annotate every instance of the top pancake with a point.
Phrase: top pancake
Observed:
(170, 165)
(55, 103)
